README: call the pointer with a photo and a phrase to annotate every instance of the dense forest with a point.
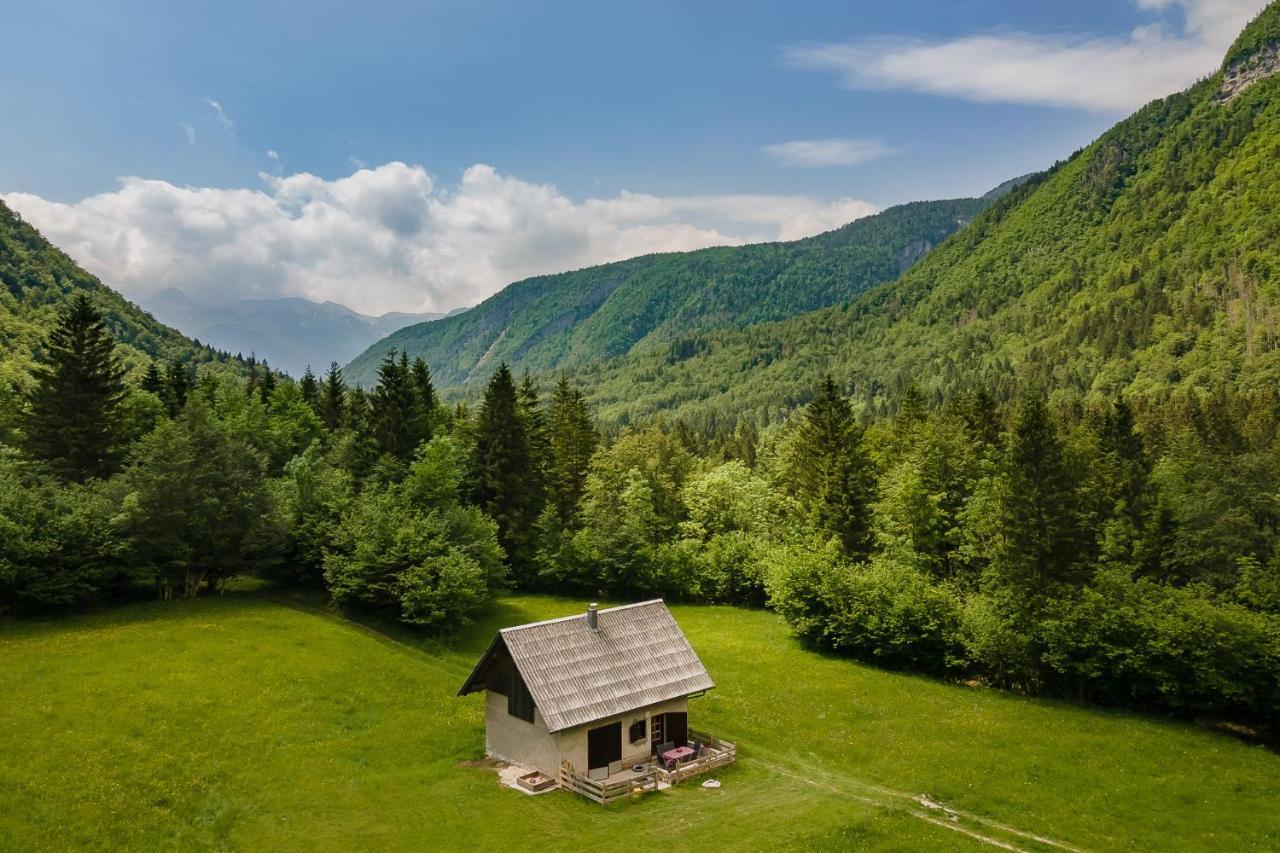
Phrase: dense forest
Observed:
(1047, 458)
(1078, 548)
(576, 318)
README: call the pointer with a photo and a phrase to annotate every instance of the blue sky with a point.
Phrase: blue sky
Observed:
(599, 129)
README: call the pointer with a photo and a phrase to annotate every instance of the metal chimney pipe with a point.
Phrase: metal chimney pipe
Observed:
(593, 619)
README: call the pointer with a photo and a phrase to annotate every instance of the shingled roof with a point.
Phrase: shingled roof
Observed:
(639, 656)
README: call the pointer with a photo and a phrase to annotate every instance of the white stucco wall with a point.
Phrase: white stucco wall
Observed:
(516, 741)
(573, 742)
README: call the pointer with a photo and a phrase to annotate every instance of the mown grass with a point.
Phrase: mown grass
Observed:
(255, 722)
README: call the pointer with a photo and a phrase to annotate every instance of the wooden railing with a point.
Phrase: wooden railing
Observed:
(605, 791)
(716, 753)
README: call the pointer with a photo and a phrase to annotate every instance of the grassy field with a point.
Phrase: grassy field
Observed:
(256, 722)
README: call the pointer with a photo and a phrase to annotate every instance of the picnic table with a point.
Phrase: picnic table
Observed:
(675, 756)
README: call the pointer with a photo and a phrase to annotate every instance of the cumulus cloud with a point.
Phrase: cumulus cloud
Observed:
(389, 238)
(818, 153)
(1106, 74)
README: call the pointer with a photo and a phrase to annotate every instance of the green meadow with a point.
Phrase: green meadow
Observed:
(261, 722)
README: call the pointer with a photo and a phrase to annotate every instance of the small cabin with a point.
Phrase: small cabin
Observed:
(598, 701)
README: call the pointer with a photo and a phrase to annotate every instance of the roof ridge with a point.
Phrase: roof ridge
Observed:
(582, 615)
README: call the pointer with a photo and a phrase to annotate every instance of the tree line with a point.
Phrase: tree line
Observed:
(1122, 552)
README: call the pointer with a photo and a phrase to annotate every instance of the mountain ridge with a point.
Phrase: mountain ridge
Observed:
(584, 316)
(38, 279)
(1144, 265)
(290, 333)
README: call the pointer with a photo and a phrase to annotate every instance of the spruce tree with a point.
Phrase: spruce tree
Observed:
(498, 477)
(982, 421)
(392, 408)
(424, 407)
(74, 421)
(333, 397)
(1041, 537)
(309, 387)
(833, 472)
(153, 382)
(571, 442)
(179, 387)
(267, 385)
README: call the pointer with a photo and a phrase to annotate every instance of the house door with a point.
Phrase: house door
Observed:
(604, 745)
(677, 726)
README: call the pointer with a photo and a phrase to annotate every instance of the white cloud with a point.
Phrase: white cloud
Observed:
(189, 133)
(220, 114)
(817, 153)
(1107, 74)
(389, 238)
(272, 154)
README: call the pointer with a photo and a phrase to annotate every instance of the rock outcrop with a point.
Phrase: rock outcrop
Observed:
(1241, 75)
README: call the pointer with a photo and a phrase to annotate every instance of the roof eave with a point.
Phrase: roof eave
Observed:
(628, 710)
(470, 686)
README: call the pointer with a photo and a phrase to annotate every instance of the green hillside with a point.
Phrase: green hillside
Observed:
(1147, 262)
(38, 280)
(578, 318)
(248, 722)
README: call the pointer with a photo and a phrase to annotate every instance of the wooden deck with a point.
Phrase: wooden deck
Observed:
(716, 753)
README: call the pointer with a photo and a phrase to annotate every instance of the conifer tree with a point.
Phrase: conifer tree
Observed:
(309, 387)
(251, 381)
(401, 422)
(392, 408)
(535, 426)
(179, 387)
(833, 472)
(267, 385)
(423, 421)
(981, 419)
(1125, 458)
(333, 397)
(911, 409)
(1040, 535)
(499, 478)
(74, 421)
(153, 380)
(571, 442)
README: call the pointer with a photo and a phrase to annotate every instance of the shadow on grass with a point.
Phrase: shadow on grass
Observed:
(136, 604)
(473, 637)
(1254, 733)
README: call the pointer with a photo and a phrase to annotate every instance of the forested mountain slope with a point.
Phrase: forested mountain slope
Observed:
(582, 317)
(38, 279)
(1148, 262)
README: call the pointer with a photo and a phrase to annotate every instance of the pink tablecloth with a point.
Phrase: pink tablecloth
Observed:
(680, 753)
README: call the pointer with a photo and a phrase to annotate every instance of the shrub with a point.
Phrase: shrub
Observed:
(894, 615)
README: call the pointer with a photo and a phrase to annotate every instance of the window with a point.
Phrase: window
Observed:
(637, 732)
(519, 701)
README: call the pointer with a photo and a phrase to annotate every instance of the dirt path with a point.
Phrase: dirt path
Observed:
(920, 806)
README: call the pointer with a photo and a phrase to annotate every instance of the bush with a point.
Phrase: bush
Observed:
(412, 552)
(996, 643)
(60, 545)
(731, 569)
(894, 615)
(799, 584)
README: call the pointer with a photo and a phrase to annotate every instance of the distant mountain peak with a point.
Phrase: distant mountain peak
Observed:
(289, 332)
